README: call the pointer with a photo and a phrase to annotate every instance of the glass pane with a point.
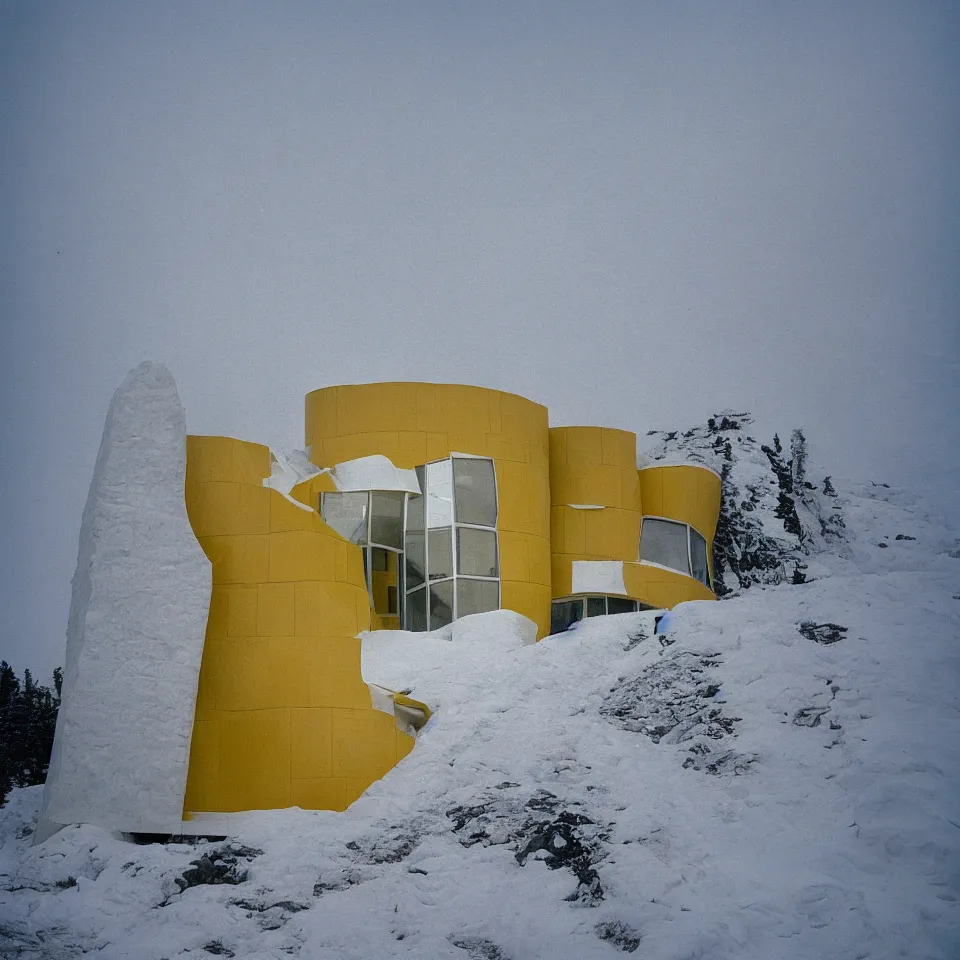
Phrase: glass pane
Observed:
(477, 596)
(379, 560)
(416, 607)
(440, 551)
(698, 557)
(441, 604)
(664, 542)
(415, 567)
(476, 491)
(563, 613)
(386, 518)
(439, 494)
(392, 607)
(415, 510)
(596, 606)
(476, 552)
(620, 605)
(347, 514)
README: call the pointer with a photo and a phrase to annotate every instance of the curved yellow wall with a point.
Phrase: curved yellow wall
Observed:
(690, 494)
(593, 466)
(283, 716)
(686, 492)
(414, 423)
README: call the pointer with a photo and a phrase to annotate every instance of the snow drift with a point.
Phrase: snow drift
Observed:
(138, 614)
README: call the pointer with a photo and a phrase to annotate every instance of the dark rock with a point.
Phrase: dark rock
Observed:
(217, 948)
(479, 949)
(825, 633)
(618, 934)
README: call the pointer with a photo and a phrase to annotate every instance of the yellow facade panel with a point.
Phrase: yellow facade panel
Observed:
(364, 744)
(254, 768)
(204, 756)
(209, 459)
(302, 555)
(218, 617)
(254, 509)
(529, 599)
(282, 669)
(285, 515)
(252, 559)
(651, 491)
(514, 561)
(251, 462)
(320, 794)
(226, 556)
(276, 607)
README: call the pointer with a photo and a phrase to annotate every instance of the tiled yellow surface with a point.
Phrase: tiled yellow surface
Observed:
(280, 692)
(592, 466)
(687, 493)
(662, 588)
(415, 423)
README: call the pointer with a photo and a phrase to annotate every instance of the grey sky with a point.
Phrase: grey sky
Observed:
(636, 214)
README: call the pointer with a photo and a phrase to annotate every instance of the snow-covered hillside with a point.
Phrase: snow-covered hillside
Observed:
(778, 777)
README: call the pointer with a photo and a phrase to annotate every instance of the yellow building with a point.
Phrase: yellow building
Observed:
(428, 502)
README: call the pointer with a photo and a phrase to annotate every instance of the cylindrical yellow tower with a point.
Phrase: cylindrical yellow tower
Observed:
(283, 716)
(414, 424)
(594, 499)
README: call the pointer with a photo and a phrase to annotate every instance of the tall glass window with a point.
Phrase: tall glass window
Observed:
(675, 545)
(698, 557)
(665, 542)
(347, 514)
(452, 566)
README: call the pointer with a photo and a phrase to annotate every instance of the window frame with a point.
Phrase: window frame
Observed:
(689, 571)
(453, 527)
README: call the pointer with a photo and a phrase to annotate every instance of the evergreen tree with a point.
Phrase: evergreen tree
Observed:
(28, 719)
(828, 490)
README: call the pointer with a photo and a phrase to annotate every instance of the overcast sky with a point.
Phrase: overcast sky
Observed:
(636, 214)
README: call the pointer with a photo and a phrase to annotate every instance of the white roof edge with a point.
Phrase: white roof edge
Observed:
(375, 472)
(586, 506)
(657, 465)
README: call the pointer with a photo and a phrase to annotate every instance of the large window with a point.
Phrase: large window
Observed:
(451, 566)
(374, 521)
(675, 545)
(564, 613)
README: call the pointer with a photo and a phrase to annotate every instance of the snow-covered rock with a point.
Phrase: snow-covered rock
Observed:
(138, 614)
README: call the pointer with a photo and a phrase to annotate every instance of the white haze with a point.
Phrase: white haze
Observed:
(635, 214)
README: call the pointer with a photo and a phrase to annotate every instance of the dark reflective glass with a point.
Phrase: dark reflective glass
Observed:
(440, 553)
(416, 610)
(476, 491)
(596, 606)
(441, 604)
(386, 518)
(477, 596)
(476, 552)
(698, 557)
(564, 613)
(347, 514)
(664, 542)
(415, 566)
(620, 605)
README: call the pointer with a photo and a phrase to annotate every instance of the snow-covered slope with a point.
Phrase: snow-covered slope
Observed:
(776, 778)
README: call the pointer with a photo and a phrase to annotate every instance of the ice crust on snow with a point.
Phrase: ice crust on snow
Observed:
(135, 634)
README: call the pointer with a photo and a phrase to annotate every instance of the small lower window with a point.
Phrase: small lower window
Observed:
(565, 613)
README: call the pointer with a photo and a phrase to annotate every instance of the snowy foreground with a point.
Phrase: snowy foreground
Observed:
(759, 783)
